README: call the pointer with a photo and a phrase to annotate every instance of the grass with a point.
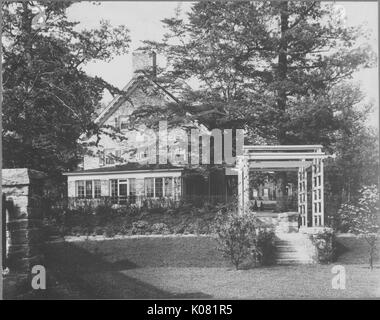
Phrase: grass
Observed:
(278, 282)
(192, 267)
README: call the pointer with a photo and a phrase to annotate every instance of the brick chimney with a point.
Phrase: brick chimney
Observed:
(144, 61)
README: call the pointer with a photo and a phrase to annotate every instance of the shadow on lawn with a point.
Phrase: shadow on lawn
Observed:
(99, 279)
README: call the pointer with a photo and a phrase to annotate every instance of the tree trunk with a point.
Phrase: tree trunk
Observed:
(282, 70)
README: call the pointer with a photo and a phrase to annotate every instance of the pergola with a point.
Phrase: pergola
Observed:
(304, 159)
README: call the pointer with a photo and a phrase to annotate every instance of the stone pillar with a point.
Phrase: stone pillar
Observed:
(23, 189)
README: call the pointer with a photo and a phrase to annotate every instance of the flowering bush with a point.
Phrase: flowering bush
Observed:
(362, 217)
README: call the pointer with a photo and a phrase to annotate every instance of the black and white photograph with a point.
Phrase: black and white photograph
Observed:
(206, 150)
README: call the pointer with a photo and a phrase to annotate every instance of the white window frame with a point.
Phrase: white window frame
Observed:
(85, 188)
(163, 187)
(124, 181)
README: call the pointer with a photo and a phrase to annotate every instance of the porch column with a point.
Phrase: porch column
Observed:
(243, 184)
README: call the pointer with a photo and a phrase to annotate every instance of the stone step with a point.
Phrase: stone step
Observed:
(293, 261)
(291, 248)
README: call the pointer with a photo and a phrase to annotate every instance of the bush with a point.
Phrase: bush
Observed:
(140, 227)
(237, 237)
(363, 218)
(325, 244)
(265, 246)
(110, 231)
(160, 228)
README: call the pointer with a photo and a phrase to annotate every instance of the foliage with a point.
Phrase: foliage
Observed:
(281, 71)
(325, 244)
(140, 227)
(240, 237)
(108, 219)
(265, 244)
(49, 101)
(363, 217)
(160, 228)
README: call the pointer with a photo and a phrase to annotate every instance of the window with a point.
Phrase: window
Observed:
(114, 192)
(168, 184)
(123, 188)
(149, 187)
(109, 156)
(132, 187)
(123, 121)
(88, 189)
(158, 188)
(80, 188)
(97, 189)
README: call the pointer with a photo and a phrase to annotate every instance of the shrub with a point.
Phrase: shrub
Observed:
(325, 244)
(237, 237)
(265, 246)
(363, 218)
(140, 227)
(110, 231)
(98, 231)
(160, 228)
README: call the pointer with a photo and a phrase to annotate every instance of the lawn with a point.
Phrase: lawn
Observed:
(192, 267)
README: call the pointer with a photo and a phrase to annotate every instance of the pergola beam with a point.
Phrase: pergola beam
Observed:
(313, 147)
(279, 165)
(284, 156)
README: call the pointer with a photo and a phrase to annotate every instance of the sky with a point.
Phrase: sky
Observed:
(143, 19)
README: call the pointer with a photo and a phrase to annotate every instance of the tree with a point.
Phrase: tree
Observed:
(363, 218)
(272, 68)
(49, 100)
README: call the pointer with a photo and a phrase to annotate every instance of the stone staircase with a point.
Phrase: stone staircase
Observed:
(293, 248)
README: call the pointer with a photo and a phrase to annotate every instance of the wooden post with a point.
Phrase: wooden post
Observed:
(317, 193)
(302, 194)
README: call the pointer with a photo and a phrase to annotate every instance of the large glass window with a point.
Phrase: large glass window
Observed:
(149, 187)
(123, 188)
(88, 188)
(168, 185)
(158, 188)
(114, 192)
(97, 189)
(80, 188)
(132, 187)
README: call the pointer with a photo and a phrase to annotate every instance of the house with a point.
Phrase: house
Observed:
(124, 164)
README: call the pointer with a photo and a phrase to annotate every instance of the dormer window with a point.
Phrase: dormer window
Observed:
(123, 123)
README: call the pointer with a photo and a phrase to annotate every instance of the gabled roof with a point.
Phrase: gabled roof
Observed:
(131, 86)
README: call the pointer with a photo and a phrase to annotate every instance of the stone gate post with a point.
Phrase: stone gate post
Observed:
(23, 190)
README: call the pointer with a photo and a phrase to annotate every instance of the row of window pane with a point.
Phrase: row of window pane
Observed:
(123, 187)
(158, 187)
(154, 187)
(88, 188)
